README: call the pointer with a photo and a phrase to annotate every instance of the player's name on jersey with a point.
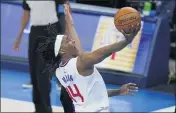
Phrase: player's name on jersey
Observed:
(67, 78)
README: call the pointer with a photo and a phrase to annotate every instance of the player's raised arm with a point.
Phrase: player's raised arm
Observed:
(71, 29)
(88, 60)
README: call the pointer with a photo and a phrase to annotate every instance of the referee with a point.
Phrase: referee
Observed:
(41, 14)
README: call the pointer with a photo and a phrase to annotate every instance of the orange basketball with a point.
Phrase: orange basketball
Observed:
(126, 17)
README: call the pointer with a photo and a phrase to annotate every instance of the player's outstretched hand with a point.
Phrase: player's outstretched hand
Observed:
(128, 89)
(132, 32)
(68, 16)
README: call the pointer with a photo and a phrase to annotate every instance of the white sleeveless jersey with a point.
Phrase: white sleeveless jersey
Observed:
(89, 93)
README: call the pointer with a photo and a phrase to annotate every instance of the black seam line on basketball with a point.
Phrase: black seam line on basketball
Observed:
(125, 14)
(128, 23)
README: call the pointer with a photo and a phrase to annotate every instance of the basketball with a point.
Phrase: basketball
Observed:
(125, 18)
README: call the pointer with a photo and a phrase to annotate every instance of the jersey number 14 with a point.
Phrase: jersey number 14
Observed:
(73, 95)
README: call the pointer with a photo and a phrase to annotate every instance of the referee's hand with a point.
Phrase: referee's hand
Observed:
(16, 44)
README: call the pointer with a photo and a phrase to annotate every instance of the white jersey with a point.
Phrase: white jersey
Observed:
(88, 93)
(42, 12)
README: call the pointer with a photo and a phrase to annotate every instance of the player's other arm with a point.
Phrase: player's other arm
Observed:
(126, 89)
(88, 60)
(113, 92)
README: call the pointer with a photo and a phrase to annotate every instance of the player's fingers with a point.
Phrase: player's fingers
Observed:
(65, 8)
(131, 90)
(125, 34)
(65, 5)
(132, 84)
(135, 29)
(131, 29)
(122, 31)
(138, 27)
(134, 87)
(64, 11)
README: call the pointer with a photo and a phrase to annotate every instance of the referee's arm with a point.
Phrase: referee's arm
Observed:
(25, 17)
(24, 21)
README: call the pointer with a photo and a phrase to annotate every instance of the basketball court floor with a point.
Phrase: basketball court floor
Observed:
(14, 98)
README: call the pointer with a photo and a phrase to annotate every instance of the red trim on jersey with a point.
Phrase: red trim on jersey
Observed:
(72, 94)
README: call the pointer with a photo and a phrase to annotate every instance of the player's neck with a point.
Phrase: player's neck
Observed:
(65, 59)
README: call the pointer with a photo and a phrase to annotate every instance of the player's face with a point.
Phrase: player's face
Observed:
(70, 47)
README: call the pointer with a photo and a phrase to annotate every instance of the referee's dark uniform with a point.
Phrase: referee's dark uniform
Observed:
(43, 13)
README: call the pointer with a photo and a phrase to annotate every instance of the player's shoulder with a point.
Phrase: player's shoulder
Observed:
(82, 58)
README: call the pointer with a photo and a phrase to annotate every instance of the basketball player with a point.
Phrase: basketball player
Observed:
(76, 71)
